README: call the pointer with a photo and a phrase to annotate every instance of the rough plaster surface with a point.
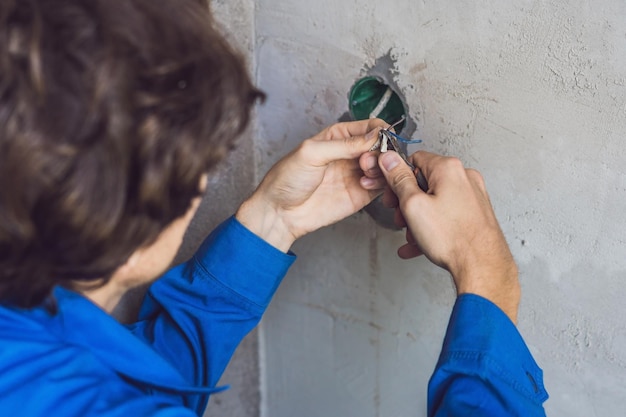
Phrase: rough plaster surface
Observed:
(533, 94)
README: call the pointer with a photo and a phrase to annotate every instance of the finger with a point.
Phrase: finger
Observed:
(432, 165)
(426, 163)
(424, 160)
(399, 175)
(320, 153)
(409, 251)
(373, 183)
(477, 180)
(368, 162)
(349, 129)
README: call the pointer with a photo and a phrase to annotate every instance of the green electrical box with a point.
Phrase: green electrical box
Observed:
(370, 97)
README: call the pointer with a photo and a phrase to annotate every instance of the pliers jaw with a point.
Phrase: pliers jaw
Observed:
(388, 140)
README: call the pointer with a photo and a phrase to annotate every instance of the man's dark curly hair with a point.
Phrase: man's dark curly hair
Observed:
(110, 113)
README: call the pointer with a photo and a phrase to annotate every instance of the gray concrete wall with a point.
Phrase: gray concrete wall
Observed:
(531, 93)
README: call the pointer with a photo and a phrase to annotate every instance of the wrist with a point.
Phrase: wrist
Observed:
(497, 283)
(264, 221)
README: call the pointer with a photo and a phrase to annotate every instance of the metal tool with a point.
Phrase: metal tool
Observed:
(388, 140)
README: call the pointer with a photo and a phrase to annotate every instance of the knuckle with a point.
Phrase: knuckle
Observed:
(340, 126)
(374, 123)
(401, 178)
(354, 145)
(453, 163)
(476, 178)
(306, 146)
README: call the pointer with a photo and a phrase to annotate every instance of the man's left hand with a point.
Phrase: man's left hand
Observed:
(327, 178)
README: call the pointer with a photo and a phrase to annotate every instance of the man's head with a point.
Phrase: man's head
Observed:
(110, 113)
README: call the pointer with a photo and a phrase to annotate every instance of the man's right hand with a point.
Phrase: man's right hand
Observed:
(453, 225)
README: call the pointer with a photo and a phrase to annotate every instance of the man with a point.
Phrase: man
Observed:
(111, 114)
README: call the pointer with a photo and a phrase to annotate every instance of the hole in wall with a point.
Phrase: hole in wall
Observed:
(371, 97)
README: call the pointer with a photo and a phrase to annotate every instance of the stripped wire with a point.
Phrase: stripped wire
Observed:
(403, 140)
(400, 138)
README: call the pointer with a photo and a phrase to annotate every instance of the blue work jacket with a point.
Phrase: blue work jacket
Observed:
(81, 362)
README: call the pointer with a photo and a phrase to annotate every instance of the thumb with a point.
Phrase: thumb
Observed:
(399, 175)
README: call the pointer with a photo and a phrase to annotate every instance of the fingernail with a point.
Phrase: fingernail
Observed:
(371, 162)
(367, 182)
(390, 160)
(371, 134)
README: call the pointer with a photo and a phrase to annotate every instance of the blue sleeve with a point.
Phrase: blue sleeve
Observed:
(485, 368)
(198, 312)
